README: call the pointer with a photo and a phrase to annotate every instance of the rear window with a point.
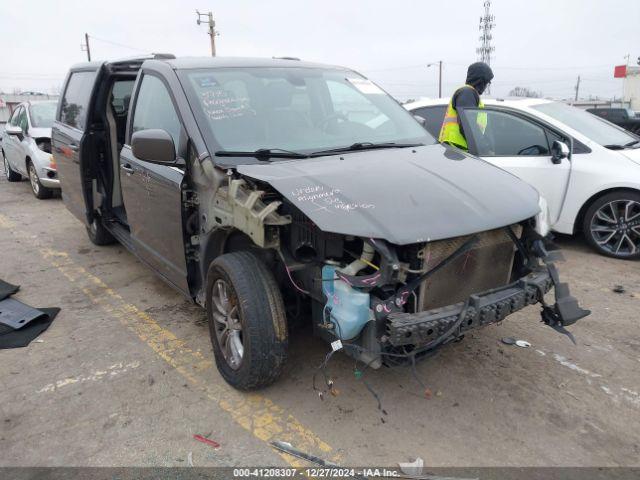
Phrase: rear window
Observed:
(75, 102)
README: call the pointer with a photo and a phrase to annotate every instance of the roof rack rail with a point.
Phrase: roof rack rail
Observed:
(286, 58)
(163, 56)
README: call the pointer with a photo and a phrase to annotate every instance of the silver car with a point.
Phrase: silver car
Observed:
(26, 147)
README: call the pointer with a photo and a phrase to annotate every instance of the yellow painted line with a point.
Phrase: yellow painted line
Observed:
(255, 413)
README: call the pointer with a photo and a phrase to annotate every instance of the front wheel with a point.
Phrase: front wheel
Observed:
(40, 191)
(10, 174)
(611, 225)
(247, 323)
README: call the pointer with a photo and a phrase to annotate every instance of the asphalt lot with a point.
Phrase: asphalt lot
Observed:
(124, 376)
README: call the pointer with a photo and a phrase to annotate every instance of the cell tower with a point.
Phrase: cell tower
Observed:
(487, 23)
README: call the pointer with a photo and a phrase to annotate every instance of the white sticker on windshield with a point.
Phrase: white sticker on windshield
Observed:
(366, 86)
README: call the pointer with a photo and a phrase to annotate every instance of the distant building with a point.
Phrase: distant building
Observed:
(630, 84)
(9, 102)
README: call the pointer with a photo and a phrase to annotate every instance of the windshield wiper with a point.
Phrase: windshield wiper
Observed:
(262, 153)
(365, 146)
(615, 146)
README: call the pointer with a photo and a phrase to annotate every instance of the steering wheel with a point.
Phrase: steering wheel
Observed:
(334, 117)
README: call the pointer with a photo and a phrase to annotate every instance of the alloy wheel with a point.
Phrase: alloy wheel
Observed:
(33, 178)
(6, 168)
(227, 323)
(615, 227)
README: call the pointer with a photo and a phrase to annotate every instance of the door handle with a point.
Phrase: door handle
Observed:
(127, 168)
(73, 147)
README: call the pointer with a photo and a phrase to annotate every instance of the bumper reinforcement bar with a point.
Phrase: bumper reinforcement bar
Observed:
(419, 329)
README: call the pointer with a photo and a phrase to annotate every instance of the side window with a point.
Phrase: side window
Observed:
(503, 134)
(618, 115)
(433, 116)
(154, 109)
(75, 101)
(15, 117)
(599, 112)
(121, 96)
(22, 120)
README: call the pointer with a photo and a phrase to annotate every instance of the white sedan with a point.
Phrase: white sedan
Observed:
(26, 147)
(587, 169)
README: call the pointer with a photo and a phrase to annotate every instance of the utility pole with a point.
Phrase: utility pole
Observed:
(487, 23)
(85, 46)
(439, 76)
(577, 88)
(212, 29)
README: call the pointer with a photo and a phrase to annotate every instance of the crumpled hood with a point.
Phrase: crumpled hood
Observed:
(404, 196)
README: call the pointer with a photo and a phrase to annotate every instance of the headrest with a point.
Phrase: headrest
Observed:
(279, 94)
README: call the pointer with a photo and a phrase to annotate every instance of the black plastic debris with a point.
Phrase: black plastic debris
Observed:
(20, 324)
(16, 314)
(619, 289)
(7, 289)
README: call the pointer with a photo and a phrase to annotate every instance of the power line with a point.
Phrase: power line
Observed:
(118, 44)
(496, 67)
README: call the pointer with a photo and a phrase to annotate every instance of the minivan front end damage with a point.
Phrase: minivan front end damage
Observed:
(390, 303)
(402, 311)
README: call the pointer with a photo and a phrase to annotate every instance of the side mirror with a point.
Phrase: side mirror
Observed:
(154, 146)
(14, 130)
(420, 120)
(559, 150)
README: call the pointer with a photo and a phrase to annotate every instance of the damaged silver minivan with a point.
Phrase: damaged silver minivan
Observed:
(274, 191)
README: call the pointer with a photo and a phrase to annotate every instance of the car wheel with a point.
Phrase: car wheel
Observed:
(612, 225)
(247, 323)
(40, 191)
(10, 174)
(98, 234)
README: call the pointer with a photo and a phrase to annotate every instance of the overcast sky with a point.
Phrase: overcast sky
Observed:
(540, 44)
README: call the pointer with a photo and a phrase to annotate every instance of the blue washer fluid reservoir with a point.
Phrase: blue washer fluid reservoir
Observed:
(349, 309)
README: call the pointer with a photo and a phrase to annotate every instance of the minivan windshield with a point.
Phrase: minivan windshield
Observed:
(297, 110)
(591, 126)
(43, 114)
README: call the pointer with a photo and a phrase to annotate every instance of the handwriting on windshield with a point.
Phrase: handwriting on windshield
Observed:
(220, 104)
(329, 200)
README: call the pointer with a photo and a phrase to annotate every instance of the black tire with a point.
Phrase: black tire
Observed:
(98, 234)
(629, 225)
(39, 191)
(10, 174)
(255, 296)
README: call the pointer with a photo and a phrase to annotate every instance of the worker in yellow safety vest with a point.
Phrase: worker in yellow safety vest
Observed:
(479, 76)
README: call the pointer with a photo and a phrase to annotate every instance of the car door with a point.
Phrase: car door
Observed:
(10, 142)
(21, 143)
(521, 146)
(152, 193)
(67, 139)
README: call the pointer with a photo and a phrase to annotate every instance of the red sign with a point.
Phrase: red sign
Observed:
(619, 71)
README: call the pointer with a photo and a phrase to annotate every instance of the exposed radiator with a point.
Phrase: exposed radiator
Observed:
(488, 265)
